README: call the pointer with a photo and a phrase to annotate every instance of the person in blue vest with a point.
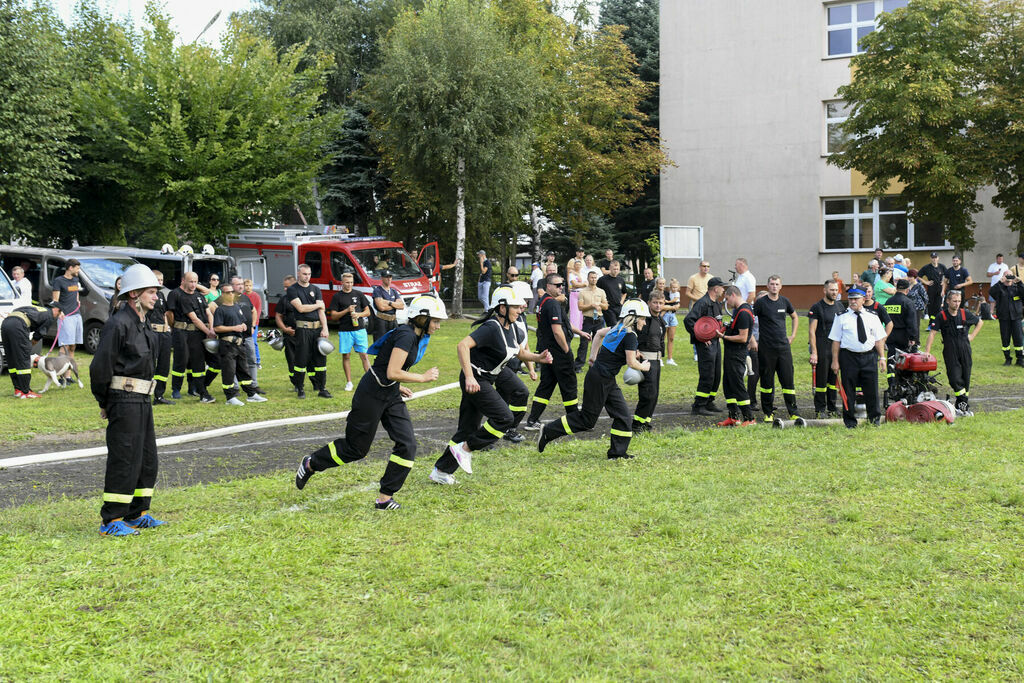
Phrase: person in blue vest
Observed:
(378, 401)
(613, 348)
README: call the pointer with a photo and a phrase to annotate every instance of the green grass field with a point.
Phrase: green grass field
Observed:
(884, 553)
(78, 412)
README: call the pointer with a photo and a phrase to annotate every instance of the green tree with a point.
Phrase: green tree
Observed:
(35, 119)
(452, 110)
(201, 142)
(915, 101)
(641, 218)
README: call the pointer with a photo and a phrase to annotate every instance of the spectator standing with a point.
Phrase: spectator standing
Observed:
(842, 288)
(957, 277)
(483, 286)
(673, 302)
(23, 286)
(351, 309)
(605, 264)
(995, 274)
(871, 274)
(745, 280)
(536, 275)
(697, 285)
(884, 287)
(1009, 295)
(580, 255)
(213, 293)
(66, 290)
(647, 286)
(257, 304)
(918, 296)
(593, 303)
(615, 288)
(588, 266)
(1018, 270)
(576, 283)
(115, 301)
(900, 268)
(933, 277)
(387, 301)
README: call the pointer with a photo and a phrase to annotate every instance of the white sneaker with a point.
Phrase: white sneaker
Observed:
(234, 402)
(348, 386)
(439, 477)
(671, 361)
(256, 398)
(463, 456)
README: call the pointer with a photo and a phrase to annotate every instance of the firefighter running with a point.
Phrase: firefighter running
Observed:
(378, 401)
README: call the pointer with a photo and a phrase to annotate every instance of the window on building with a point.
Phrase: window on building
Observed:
(836, 113)
(849, 22)
(858, 224)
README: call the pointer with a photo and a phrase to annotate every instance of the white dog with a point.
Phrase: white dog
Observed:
(54, 367)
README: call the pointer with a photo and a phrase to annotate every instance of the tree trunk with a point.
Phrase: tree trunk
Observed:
(460, 239)
(535, 225)
(317, 204)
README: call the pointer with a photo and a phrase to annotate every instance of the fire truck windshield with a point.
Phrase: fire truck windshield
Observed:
(376, 260)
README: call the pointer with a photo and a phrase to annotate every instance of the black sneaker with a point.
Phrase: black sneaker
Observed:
(532, 425)
(258, 390)
(706, 411)
(620, 456)
(323, 393)
(390, 504)
(206, 399)
(304, 472)
(1008, 362)
(514, 436)
(713, 408)
(193, 393)
(542, 442)
(300, 393)
(1020, 362)
(161, 401)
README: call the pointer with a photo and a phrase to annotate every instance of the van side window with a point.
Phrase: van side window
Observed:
(54, 269)
(315, 262)
(341, 264)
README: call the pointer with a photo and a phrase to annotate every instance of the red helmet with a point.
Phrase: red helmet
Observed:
(706, 328)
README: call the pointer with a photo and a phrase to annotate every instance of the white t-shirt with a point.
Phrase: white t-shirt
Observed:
(1001, 267)
(24, 287)
(747, 283)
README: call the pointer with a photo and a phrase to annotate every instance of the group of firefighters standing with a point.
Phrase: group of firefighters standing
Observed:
(848, 347)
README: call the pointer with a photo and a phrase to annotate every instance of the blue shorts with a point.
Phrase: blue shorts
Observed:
(70, 330)
(670, 319)
(349, 340)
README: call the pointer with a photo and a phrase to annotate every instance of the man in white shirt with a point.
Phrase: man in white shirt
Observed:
(745, 280)
(536, 275)
(858, 351)
(23, 287)
(995, 273)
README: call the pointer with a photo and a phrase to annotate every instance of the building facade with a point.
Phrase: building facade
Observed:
(749, 115)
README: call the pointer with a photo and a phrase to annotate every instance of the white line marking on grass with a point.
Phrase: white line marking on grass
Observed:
(63, 456)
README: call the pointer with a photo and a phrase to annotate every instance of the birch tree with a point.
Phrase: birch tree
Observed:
(452, 109)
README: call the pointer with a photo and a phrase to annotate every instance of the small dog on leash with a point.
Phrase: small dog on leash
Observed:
(54, 367)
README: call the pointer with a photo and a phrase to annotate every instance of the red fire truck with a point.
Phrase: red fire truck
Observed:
(268, 254)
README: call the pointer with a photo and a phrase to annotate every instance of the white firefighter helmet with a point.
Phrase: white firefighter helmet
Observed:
(632, 376)
(212, 345)
(208, 249)
(506, 295)
(137, 277)
(167, 249)
(635, 307)
(185, 249)
(325, 347)
(427, 304)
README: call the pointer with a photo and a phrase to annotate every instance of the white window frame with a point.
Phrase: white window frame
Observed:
(831, 121)
(851, 26)
(876, 215)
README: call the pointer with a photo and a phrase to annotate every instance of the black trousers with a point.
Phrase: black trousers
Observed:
(131, 456)
(308, 360)
(647, 394)
(180, 366)
(611, 314)
(289, 356)
(382, 327)
(958, 358)
(18, 351)
(163, 363)
(599, 393)
(825, 388)
(859, 370)
(734, 367)
(709, 372)
(233, 363)
(561, 373)
(212, 367)
(197, 362)
(374, 405)
(486, 405)
(774, 361)
(591, 326)
(1012, 336)
(752, 380)
(514, 393)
